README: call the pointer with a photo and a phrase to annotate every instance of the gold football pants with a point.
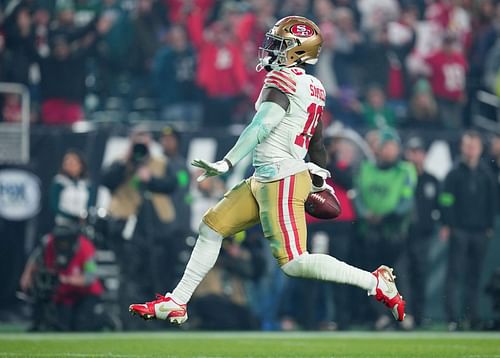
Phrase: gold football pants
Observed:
(278, 205)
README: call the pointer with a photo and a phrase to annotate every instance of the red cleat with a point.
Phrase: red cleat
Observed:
(164, 307)
(387, 292)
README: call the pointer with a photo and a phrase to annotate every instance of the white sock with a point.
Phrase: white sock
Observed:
(202, 259)
(328, 268)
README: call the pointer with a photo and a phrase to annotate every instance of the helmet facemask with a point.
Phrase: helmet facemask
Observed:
(273, 52)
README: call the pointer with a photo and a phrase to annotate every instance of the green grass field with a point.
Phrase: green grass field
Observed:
(297, 344)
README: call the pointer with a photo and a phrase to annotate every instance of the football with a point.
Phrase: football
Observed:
(323, 205)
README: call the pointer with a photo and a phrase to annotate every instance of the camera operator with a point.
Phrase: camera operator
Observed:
(141, 214)
(138, 178)
(61, 276)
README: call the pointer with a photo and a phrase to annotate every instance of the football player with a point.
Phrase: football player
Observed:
(286, 127)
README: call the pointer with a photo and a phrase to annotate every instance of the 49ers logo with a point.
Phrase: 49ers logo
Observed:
(302, 30)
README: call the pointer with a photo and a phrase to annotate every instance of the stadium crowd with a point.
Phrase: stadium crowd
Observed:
(396, 63)
(388, 66)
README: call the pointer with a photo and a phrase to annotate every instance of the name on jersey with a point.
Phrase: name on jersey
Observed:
(317, 92)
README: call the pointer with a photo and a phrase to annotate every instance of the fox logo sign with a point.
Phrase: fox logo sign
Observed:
(302, 30)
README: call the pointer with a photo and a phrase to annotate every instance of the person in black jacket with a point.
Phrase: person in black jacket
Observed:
(469, 207)
(423, 223)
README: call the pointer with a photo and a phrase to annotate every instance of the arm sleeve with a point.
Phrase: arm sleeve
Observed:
(267, 117)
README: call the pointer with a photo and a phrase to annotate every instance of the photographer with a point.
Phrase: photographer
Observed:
(141, 215)
(138, 178)
(61, 276)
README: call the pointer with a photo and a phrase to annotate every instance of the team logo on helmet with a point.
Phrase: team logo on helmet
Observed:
(302, 30)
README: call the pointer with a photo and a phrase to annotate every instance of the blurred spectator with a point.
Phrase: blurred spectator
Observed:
(343, 156)
(450, 15)
(174, 69)
(63, 72)
(113, 51)
(20, 43)
(423, 223)
(41, 25)
(483, 40)
(63, 83)
(447, 69)
(170, 141)
(372, 138)
(402, 38)
(376, 13)
(178, 10)
(353, 6)
(61, 275)
(347, 41)
(375, 59)
(385, 51)
(70, 190)
(140, 177)
(253, 25)
(147, 27)
(324, 69)
(495, 163)
(468, 228)
(423, 110)
(141, 214)
(221, 68)
(384, 201)
(376, 113)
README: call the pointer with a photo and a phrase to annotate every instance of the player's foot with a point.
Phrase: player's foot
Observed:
(387, 292)
(164, 307)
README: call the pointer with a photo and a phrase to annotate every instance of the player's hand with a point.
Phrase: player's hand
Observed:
(211, 169)
(325, 186)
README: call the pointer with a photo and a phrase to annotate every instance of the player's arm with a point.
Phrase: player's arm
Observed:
(270, 113)
(317, 153)
(272, 110)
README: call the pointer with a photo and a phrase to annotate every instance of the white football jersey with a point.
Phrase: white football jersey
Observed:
(282, 153)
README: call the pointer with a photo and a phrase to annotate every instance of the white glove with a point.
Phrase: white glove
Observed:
(325, 186)
(211, 169)
(317, 170)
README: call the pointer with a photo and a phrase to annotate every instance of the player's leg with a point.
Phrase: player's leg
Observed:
(283, 220)
(284, 223)
(234, 213)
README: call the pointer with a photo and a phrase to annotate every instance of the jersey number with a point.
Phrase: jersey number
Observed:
(314, 115)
